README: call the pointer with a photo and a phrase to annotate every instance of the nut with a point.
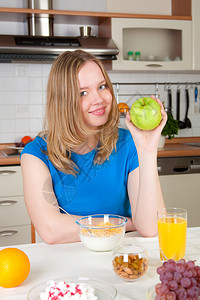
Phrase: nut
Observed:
(133, 269)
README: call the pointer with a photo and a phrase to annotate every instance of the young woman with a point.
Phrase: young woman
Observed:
(83, 162)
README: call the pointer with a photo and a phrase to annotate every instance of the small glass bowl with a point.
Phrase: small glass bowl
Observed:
(102, 232)
(130, 261)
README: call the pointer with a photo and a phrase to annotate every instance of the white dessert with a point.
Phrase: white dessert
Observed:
(63, 291)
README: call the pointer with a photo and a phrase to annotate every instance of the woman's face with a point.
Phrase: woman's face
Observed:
(96, 98)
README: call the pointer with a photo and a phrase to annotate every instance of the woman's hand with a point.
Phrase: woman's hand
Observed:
(147, 139)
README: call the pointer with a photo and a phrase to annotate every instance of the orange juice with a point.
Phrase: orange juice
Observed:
(172, 232)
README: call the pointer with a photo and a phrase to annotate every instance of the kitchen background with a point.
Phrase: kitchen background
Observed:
(23, 86)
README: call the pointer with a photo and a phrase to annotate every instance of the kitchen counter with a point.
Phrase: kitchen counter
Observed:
(9, 156)
(172, 148)
(180, 147)
(74, 260)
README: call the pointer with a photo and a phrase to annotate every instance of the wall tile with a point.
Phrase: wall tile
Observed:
(36, 97)
(21, 84)
(22, 125)
(35, 84)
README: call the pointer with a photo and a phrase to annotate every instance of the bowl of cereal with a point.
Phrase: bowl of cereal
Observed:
(130, 262)
(102, 232)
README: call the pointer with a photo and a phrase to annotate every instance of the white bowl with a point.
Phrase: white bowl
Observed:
(102, 232)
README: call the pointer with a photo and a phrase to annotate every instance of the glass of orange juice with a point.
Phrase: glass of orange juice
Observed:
(172, 233)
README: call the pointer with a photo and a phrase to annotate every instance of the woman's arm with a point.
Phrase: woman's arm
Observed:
(143, 183)
(52, 226)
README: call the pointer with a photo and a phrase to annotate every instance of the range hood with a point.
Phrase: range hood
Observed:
(46, 49)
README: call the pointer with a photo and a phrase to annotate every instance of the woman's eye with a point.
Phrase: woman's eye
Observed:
(83, 93)
(102, 87)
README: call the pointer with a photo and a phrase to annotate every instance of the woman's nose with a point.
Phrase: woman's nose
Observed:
(96, 97)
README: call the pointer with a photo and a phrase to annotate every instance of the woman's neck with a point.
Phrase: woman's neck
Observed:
(88, 146)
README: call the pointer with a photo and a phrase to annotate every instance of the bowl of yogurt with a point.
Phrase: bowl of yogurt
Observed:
(101, 232)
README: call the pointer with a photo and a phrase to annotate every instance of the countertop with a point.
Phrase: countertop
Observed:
(175, 147)
(74, 260)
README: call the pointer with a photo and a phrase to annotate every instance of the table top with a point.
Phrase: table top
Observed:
(73, 260)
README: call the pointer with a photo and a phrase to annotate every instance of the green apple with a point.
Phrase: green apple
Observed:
(145, 113)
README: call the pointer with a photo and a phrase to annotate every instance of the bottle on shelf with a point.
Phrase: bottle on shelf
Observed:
(137, 55)
(130, 55)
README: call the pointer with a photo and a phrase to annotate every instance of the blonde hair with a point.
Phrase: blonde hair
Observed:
(64, 128)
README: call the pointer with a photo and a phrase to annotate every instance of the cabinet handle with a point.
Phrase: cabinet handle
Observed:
(7, 172)
(7, 202)
(8, 232)
(154, 65)
(195, 167)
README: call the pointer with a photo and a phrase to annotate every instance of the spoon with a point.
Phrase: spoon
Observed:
(181, 124)
(187, 120)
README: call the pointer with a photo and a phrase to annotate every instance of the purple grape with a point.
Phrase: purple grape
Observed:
(157, 288)
(168, 275)
(194, 272)
(185, 282)
(161, 270)
(171, 295)
(193, 291)
(162, 277)
(164, 289)
(190, 264)
(181, 261)
(173, 285)
(188, 273)
(193, 282)
(180, 268)
(177, 276)
(170, 265)
(181, 293)
(165, 281)
(197, 269)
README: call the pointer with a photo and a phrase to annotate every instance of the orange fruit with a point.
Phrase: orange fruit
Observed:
(14, 267)
(123, 107)
(26, 139)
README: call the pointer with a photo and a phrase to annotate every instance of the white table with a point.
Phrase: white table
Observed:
(72, 260)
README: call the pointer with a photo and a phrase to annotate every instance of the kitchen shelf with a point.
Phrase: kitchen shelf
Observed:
(100, 15)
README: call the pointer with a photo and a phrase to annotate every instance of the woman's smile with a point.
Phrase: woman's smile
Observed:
(98, 112)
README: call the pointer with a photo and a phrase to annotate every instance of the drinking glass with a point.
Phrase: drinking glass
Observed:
(172, 233)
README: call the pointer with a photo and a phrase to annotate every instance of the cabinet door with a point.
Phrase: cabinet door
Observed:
(11, 181)
(15, 235)
(196, 34)
(183, 191)
(163, 44)
(13, 211)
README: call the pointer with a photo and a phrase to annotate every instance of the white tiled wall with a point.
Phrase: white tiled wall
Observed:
(23, 96)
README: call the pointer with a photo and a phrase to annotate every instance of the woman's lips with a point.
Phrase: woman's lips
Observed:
(98, 112)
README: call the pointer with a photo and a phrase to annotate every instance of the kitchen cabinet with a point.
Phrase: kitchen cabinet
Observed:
(15, 225)
(195, 33)
(67, 22)
(183, 191)
(163, 44)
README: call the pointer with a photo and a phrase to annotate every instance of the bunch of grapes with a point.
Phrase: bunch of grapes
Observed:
(21, 144)
(179, 280)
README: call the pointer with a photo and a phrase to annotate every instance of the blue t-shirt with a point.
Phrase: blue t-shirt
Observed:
(96, 188)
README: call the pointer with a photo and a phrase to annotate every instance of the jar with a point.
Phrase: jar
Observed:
(137, 55)
(130, 55)
(130, 262)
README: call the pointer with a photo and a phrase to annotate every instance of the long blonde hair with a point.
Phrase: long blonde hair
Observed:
(64, 128)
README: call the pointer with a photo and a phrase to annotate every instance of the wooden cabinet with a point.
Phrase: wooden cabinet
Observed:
(163, 44)
(177, 27)
(15, 225)
(195, 33)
